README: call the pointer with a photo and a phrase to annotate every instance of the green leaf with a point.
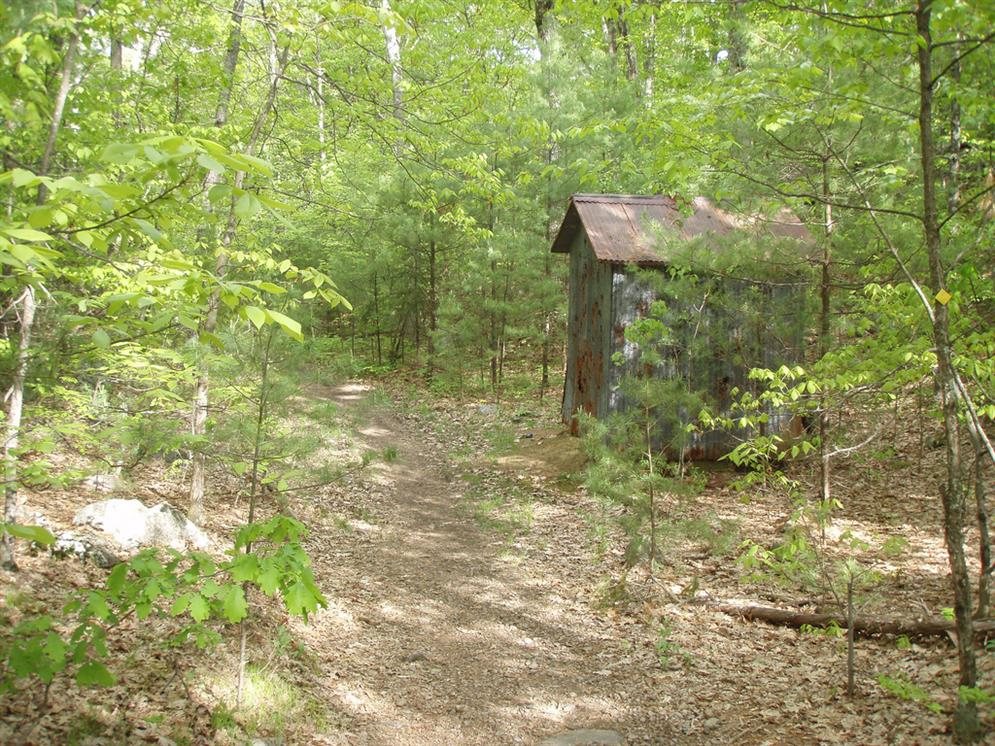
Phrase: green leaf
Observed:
(101, 339)
(94, 674)
(23, 177)
(271, 287)
(209, 338)
(36, 534)
(291, 327)
(274, 204)
(245, 568)
(119, 153)
(246, 205)
(210, 163)
(40, 217)
(256, 315)
(219, 192)
(115, 581)
(200, 609)
(181, 604)
(269, 579)
(97, 605)
(300, 599)
(148, 229)
(27, 234)
(233, 603)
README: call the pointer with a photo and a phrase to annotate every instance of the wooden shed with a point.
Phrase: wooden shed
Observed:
(611, 240)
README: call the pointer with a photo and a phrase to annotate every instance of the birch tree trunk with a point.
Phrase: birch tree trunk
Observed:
(26, 321)
(393, 48)
(543, 23)
(13, 430)
(201, 398)
(210, 324)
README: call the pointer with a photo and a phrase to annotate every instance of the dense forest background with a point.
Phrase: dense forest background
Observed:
(196, 195)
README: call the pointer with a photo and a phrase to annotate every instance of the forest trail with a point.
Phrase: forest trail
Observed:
(438, 632)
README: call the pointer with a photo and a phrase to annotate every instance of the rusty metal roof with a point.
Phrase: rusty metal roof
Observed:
(624, 228)
(619, 227)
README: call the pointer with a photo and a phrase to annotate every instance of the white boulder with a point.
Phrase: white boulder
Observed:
(131, 525)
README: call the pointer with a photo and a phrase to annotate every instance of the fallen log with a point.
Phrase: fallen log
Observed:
(862, 625)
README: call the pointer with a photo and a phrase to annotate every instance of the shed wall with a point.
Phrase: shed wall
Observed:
(590, 313)
(714, 352)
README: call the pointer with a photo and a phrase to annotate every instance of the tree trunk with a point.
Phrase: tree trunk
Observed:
(737, 43)
(27, 301)
(625, 42)
(611, 43)
(966, 726)
(953, 174)
(210, 323)
(433, 306)
(230, 63)
(825, 295)
(985, 540)
(543, 16)
(494, 327)
(543, 10)
(198, 425)
(393, 45)
(59, 105)
(931, 627)
(319, 100)
(257, 440)
(547, 324)
(649, 60)
(376, 319)
(117, 65)
(13, 430)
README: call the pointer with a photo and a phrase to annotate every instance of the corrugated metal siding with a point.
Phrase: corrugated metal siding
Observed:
(589, 322)
(747, 340)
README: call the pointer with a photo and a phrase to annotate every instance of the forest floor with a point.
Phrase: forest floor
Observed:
(477, 596)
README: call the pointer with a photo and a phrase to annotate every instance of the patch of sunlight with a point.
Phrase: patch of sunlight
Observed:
(271, 705)
(373, 431)
(361, 702)
(357, 524)
(848, 532)
(551, 710)
(392, 612)
(497, 595)
(541, 705)
(335, 614)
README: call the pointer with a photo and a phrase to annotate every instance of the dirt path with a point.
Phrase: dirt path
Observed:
(437, 634)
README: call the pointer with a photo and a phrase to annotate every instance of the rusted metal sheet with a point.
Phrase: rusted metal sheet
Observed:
(728, 346)
(588, 359)
(632, 229)
(620, 228)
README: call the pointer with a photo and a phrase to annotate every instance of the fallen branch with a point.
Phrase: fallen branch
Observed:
(861, 626)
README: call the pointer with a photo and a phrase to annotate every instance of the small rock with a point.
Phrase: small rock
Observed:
(585, 737)
(102, 482)
(414, 657)
(487, 409)
(84, 548)
(37, 519)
